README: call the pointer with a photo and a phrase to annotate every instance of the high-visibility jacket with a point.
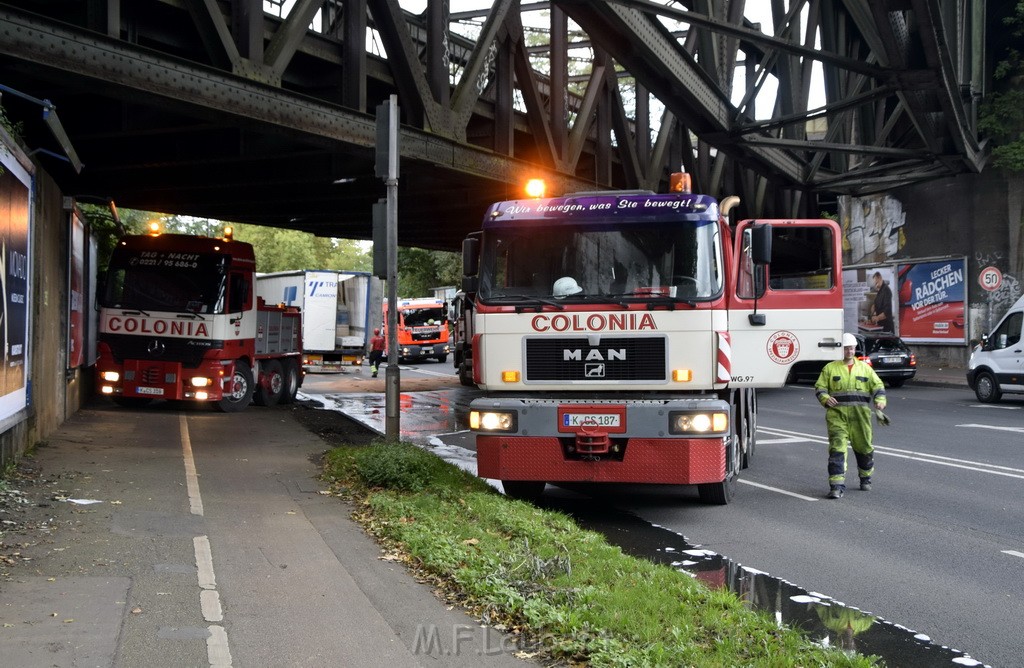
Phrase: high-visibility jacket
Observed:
(855, 387)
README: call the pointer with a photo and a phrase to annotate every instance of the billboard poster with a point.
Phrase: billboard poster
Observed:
(933, 301)
(869, 304)
(15, 200)
(76, 292)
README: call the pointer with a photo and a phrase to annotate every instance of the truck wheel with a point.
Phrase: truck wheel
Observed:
(132, 402)
(466, 375)
(238, 394)
(717, 493)
(524, 490)
(291, 381)
(271, 385)
(442, 358)
(986, 387)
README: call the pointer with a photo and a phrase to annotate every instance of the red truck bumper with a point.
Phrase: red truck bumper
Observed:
(669, 461)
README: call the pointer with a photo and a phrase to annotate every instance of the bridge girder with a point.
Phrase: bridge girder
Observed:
(219, 110)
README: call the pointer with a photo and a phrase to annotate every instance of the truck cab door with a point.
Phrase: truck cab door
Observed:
(785, 299)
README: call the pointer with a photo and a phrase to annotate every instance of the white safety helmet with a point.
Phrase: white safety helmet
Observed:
(849, 340)
(566, 285)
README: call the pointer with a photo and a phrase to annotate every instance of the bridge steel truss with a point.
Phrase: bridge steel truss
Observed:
(219, 109)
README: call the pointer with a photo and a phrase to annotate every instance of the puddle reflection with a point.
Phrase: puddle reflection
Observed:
(828, 622)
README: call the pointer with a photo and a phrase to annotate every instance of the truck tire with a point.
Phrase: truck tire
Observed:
(524, 490)
(442, 358)
(717, 493)
(291, 381)
(986, 388)
(271, 386)
(466, 374)
(239, 394)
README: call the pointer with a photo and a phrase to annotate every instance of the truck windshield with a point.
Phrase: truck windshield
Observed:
(588, 262)
(165, 281)
(422, 317)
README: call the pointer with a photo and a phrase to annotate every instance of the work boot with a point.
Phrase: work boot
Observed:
(865, 484)
(836, 492)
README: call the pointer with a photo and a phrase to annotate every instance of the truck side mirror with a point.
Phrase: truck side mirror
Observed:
(470, 258)
(761, 243)
(470, 284)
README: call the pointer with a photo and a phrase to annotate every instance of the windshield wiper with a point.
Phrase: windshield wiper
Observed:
(652, 300)
(191, 315)
(535, 302)
(125, 308)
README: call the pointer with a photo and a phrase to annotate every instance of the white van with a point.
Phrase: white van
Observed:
(997, 365)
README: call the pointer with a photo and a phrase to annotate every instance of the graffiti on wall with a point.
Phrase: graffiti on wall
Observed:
(874, 228)
(1009, 291)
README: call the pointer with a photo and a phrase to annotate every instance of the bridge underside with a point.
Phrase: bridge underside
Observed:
(222, 110)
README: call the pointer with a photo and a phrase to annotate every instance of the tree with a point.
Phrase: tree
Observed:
(285, 250)
(420, 270)
(1002, 115)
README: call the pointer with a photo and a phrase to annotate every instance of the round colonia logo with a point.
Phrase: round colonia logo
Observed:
(783, 347)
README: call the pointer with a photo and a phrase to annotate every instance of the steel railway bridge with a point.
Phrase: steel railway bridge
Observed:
(262, 111)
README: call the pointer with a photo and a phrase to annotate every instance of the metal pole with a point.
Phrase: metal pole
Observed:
(392, 375)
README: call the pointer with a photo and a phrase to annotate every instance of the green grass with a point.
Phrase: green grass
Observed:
(536, 573)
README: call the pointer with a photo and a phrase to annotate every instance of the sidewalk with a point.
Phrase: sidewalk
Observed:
(940, 377)
(112, 554)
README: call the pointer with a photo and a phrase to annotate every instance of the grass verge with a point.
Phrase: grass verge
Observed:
(563, 589)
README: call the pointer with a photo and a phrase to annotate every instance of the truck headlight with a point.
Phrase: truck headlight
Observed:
(110, 376)
(492, 420)
(201, 381)
(689, 422)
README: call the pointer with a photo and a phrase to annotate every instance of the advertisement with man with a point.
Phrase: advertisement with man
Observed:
(869, 302)
(932, 301)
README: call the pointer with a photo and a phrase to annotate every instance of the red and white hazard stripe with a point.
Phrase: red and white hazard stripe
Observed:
(723, 370)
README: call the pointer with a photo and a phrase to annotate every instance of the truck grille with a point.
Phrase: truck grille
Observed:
(189, 352)
(613, 358)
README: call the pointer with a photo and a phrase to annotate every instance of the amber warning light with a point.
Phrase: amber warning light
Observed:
(679, 182)
(535, 188)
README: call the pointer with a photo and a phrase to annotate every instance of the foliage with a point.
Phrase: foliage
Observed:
(562, 590)
(420, 270)
(396, 466)
(284, 250)
(1002, 114)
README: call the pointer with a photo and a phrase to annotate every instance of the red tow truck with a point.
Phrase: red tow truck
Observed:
(179, 320)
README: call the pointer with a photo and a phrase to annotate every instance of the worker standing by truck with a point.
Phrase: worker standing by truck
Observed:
(377, 345)
(847, 388)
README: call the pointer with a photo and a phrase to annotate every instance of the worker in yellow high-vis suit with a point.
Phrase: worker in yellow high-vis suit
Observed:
(847, 388)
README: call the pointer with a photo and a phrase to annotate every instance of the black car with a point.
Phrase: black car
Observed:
(892, 360)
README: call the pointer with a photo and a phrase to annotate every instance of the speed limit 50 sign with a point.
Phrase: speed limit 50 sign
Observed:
(990, 278)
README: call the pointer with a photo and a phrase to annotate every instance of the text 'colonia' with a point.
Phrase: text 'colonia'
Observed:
(595, 322)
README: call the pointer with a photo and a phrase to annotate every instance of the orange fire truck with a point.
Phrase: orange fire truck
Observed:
(620, 336)
(422, 329)
(179, 319)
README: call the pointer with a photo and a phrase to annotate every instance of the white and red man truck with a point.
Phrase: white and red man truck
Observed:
(620, 336)
(180, 320)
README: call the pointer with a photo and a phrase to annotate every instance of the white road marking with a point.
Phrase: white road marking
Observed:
(776, 489)
(195, 501)
(204, 563)
(1019, 430)
(217, 647)
(209, 601)
(217, 651)
(1014, 553)
(1002, 407)
(981, 467)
